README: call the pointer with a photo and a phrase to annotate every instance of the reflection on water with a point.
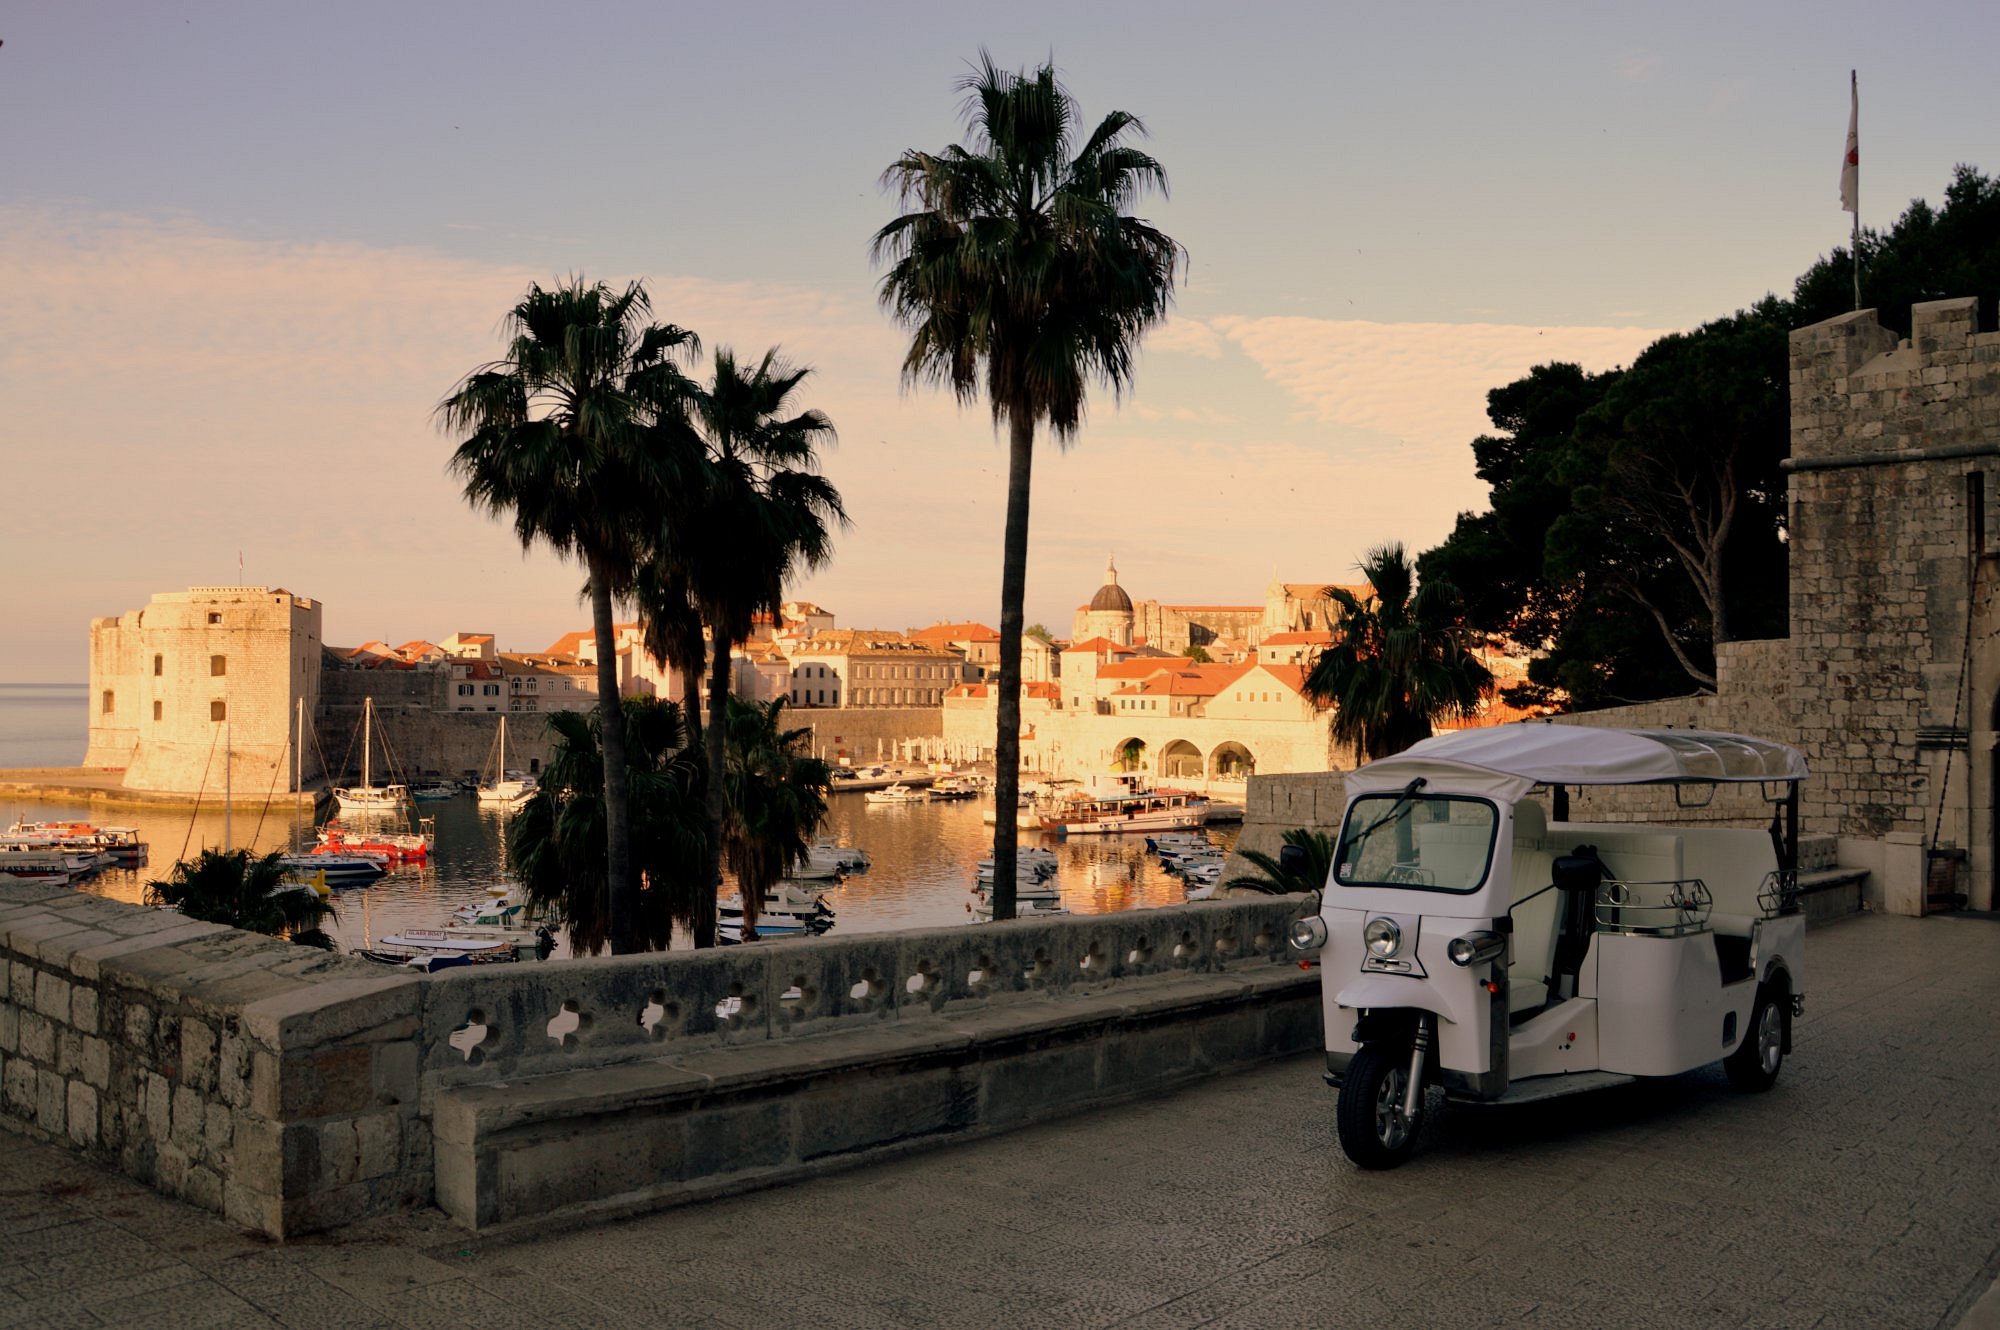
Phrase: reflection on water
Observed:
(925, 856)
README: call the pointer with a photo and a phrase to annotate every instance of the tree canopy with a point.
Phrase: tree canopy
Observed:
(1637, 517)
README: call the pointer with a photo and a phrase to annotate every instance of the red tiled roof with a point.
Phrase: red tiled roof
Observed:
(1100, 645)
(567, 644)
(1314, 638)
(955, 632)
(1143, 667)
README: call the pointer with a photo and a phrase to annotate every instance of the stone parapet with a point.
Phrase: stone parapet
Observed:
(293, 1090)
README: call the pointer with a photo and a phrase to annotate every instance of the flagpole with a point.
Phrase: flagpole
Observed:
(1850, 180)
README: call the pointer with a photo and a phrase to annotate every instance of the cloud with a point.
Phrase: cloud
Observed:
(1186, 336)
(1416, 383)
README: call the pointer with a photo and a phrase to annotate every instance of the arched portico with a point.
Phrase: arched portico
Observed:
(1129, 754)
(1230, 760)
(1181, 759)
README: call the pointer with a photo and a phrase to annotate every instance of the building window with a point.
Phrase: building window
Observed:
(218, 710)
(465, 690)
(157, 708)
(215, 617)
(490, 690)
(159, 665)
(218, 666)
(109, 701)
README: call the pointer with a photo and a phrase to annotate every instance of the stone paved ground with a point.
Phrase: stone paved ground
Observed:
(1864, 1191)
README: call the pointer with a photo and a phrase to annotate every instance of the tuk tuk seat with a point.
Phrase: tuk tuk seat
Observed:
(1733, 863)
(1534, 946)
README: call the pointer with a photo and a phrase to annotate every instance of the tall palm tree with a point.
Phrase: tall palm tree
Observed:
(670, 629)
(231, 887)
(561, 434)
(1399, 661)
(556, 844)
(1018, 272)
(776, 792)
(764, 513)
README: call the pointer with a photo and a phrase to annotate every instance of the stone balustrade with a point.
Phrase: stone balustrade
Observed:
(294, 1090)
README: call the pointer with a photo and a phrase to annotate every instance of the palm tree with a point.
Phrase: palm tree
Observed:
(670, 630)
(1274, 878)
(230, 887)
(1017, 271)
(763, 514)
(562, 433)
(1398, 662)
(776, 801)
(556, 844)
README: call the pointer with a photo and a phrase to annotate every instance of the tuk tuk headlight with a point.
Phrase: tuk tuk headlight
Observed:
(1475, 948)
(1383, 937)
(1307, 934)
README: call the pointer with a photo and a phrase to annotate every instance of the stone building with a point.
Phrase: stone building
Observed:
(201, 673)
(1288, 607)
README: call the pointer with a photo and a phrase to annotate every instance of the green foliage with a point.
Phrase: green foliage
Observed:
(1040, 633)
(776, 795)
(1273, 879)
(1199, 654)
(1929, 254)
(1398, 662)
(1019, 271)
(556, 843)
(231, 887)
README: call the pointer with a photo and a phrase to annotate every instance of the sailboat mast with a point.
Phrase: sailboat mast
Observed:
(298, 775)
(367, 739)
(228, 781)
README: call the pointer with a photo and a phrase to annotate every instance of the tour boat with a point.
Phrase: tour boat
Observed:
(119, 845)
(897, 793)
(1123, 802)
(954, 788)
(36, 867)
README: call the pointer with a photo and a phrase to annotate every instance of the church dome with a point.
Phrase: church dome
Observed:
(1111, 596)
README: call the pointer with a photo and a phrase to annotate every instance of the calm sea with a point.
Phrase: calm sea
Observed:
(43, 724)
(925, 855)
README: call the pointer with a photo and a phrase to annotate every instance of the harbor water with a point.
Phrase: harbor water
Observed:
(925, 859)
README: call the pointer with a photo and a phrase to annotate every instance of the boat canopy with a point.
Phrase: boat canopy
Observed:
(1506, 761)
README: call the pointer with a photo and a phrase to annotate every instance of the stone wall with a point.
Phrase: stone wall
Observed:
(292, 1090)
(413, 728)
(861, 732)
(270, 1083)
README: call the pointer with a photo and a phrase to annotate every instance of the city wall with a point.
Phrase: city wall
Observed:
(864, 734)
(295, 1091)
(422, 738)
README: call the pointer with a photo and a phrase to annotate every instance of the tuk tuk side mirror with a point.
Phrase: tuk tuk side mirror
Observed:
(1292, 859)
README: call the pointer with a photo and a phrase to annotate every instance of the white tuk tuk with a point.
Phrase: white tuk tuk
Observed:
(1471, 941)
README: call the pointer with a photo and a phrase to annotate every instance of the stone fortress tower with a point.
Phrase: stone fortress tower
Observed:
(170, 681)
(1889, 680)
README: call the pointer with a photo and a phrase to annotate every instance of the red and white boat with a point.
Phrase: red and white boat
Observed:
(398, 847)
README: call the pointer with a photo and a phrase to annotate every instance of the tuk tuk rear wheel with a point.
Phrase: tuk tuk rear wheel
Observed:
(1755, 1064)
(1374, 1131)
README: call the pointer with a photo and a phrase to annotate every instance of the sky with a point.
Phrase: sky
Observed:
(245, 249)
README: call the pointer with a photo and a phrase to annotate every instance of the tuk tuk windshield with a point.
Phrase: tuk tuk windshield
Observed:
(1429, 841)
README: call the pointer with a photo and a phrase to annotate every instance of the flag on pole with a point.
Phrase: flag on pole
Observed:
(1850, 165)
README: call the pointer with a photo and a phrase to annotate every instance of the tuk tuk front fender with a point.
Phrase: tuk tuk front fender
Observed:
(1368, 991)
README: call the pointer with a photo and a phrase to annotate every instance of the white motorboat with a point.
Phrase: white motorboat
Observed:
(847, 858)
(340, 870)
(1023, 909)
(952, 787)
(463, 940)
(897, 793)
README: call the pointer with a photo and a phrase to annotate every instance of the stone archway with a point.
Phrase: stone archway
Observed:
(1129, 754)
(1180, 759)
(1231, 761)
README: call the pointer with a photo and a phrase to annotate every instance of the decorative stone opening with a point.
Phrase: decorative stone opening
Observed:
(1186, 949)
(469, 1035)
(566, 1022)
(867, 990)
(1141, 953)
(659, 1017)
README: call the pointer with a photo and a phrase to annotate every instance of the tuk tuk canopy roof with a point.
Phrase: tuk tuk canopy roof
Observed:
(1506, 761)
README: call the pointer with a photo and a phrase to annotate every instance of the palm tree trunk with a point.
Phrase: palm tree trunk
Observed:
(711, 872)
(622, 892)
(691, 701)
(1013, 590)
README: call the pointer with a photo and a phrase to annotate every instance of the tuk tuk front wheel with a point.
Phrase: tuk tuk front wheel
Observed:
(1374, 1131)
(1755, 1064)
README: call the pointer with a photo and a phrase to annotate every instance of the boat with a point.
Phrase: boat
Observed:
(953, 787)
(470, 941)
(368, 797)
(434, 792)
(1040, 908)
(397, 847)
(28, 865)
(853, 780)
(1123, 802)
(118, 845)
(507, 790)
(339, 870)
(847, 858)
(789, 907)
(897, 793)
